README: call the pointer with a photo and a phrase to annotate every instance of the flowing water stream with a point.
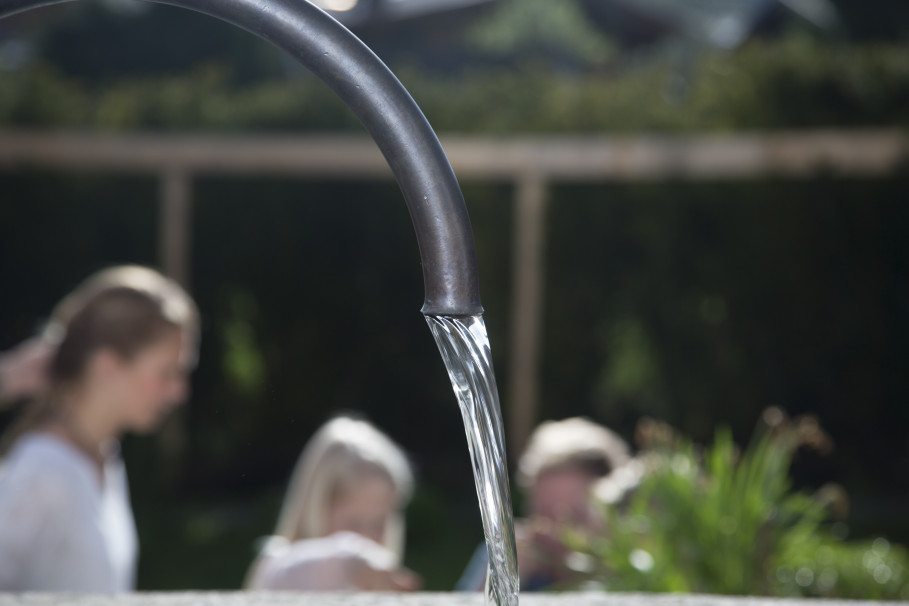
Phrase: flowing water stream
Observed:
(465, 350)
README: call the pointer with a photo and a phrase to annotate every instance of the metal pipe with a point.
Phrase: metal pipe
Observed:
(391, 117)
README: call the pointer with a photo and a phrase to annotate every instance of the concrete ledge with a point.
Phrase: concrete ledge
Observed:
(414, 599)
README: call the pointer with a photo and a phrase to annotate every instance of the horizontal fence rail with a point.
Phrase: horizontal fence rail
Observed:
(712, 156)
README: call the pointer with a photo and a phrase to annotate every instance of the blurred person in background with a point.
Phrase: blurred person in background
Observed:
(341, 526)
(114, 358)
(23, 369)
(563, 463)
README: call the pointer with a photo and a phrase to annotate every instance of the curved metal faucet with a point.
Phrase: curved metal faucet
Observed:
(390, 115)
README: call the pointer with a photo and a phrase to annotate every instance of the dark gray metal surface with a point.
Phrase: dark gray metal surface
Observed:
(390, 116)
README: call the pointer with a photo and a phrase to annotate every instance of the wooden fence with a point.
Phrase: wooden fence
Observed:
(531, 163)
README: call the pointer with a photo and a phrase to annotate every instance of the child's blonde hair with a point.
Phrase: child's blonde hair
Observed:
(340, 454)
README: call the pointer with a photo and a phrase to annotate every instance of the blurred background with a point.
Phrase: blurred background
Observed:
(697, 301)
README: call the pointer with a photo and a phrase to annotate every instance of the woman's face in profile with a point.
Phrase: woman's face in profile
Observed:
(155, 381)
(364, 508)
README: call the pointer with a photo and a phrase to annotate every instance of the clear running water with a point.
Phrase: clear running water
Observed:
(465, 350)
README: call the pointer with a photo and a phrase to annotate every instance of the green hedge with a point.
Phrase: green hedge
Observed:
(795, 82)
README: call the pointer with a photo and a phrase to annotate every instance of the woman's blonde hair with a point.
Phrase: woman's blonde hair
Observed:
(340, 454)
(122, 309)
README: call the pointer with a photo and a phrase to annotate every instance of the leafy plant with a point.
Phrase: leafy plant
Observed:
(727, 522)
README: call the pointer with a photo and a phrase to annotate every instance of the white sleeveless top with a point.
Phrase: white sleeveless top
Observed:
(64, 526)
(322, 564)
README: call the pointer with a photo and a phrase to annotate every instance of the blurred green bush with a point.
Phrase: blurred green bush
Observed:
(794, 82)
(722, 521)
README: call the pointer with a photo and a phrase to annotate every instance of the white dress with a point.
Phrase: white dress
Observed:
(323, 564)
(63, 525)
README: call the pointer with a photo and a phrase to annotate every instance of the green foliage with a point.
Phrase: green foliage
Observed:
(200, 100)
(728, 523)
(793, 83)
(631, 369)
(244, 367)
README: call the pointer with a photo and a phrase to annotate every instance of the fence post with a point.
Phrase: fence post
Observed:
(526, 308)
(174, 228)
(174, 258)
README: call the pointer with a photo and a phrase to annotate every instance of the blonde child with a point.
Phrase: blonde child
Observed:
(341, 526)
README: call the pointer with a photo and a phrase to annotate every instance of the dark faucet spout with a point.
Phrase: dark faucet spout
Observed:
(389, 114)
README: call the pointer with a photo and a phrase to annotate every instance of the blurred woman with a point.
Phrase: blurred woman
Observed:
(113, 359)
(341, 525)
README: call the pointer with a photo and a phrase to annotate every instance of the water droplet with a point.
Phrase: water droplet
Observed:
(641, 560)
(804, 577)
(881, 546)
(785, 574)
(580, 562)
(681, 464)
(870, 560)
(827, 579)
(882, 573)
